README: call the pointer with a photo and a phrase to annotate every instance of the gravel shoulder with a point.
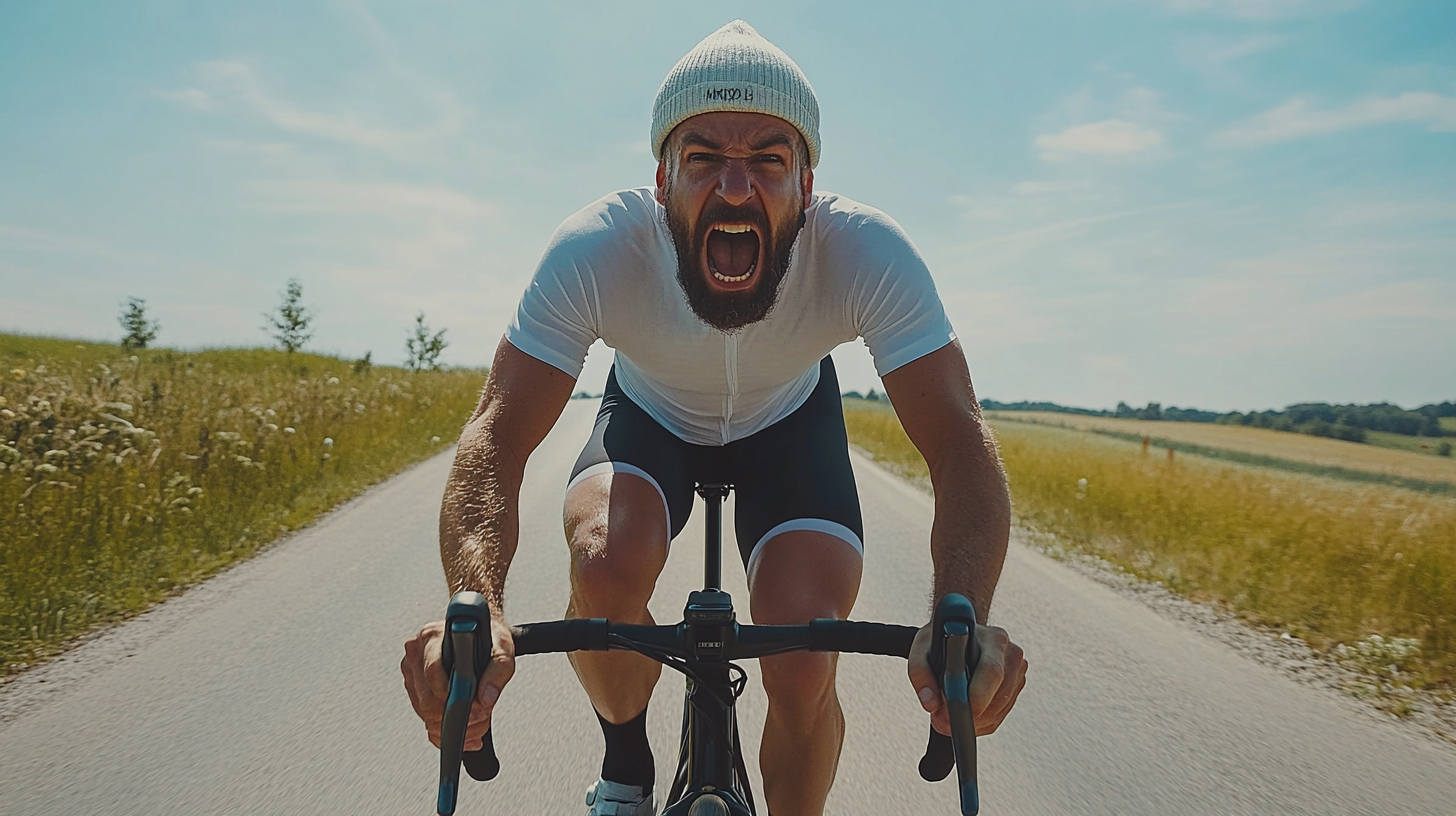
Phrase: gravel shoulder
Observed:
(1431, 715)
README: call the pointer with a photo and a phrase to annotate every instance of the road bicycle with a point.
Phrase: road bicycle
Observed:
(711, 777)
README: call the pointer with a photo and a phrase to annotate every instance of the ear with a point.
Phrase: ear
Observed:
(806, 185)
(661, 181)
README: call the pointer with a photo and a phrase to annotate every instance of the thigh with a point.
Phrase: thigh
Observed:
(795, 476)
(626, 441)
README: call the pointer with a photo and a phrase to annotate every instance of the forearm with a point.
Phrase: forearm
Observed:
(479, 513)
(972, 526)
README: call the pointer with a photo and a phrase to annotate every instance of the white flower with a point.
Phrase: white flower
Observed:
(270, 412)
(288, 430)
(333, 381)
(328, 442)
(434, 440)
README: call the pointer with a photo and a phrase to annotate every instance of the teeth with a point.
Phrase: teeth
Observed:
(733, 228)
(728, 278)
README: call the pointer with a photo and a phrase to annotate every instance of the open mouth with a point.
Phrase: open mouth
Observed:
(733, 252)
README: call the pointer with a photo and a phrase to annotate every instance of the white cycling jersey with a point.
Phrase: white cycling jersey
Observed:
(610, 273)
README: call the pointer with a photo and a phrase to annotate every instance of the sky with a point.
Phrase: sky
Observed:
(1224, 204)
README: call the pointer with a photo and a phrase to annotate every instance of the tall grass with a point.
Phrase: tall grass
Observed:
(1331, 562)
(125, 475)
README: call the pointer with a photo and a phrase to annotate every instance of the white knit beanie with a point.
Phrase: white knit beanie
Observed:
(736, 69)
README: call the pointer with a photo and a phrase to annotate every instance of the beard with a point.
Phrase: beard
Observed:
(730, 311)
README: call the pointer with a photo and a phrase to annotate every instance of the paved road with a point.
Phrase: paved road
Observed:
(274, 690)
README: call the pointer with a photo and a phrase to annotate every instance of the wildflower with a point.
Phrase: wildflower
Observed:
(270, 426)
(328, 442)
(270, 412)
(7, 413)
(288, 430)
(40, 369)
(46, 470)
(434, 440)
(134, 359)
(333, 381)
(17, 373)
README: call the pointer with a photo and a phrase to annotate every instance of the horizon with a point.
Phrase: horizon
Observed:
(1213, 203)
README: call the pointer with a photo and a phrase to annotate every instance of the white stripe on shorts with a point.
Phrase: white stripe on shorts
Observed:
(835, 529)
(622, 467)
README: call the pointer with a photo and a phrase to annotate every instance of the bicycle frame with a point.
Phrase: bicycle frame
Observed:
(702, 647)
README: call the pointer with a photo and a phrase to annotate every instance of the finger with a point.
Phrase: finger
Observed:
(418, 688)
(475, 734)
(1011, 685)
(501, 668)
(990, 724)
(437, 680)
(991, 669)
(922, 679)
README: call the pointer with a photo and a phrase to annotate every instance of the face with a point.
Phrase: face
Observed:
(734, 186)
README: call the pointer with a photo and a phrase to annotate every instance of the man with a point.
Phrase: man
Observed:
(723, 291)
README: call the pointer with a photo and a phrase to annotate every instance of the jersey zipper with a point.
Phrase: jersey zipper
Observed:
(730, 364)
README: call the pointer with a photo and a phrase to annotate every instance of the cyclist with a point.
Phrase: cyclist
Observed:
(723, 289)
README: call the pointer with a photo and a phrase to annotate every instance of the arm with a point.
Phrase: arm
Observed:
(478, 525)
(937, 407)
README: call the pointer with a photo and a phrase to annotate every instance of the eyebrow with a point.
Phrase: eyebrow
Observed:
(773, 141)
(693, 137)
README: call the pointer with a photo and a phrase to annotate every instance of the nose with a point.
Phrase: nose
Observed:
(734, 185)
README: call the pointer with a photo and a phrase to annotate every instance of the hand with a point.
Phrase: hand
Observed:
(997, 680)
(429, 686)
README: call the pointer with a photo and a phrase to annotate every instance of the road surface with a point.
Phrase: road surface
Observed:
(274, 689)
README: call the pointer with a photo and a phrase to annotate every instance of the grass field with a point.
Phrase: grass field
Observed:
(125, 475)
(1415, 469)
(1331, 561)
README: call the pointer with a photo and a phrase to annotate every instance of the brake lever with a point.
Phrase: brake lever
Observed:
(953, 626)
(957, 689)
(467, 622)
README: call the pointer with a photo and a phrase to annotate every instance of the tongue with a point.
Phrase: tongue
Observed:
(732, 253)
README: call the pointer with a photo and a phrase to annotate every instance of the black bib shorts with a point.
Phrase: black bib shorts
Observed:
(792, 475)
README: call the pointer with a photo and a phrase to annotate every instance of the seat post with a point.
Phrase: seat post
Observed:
(713, 496)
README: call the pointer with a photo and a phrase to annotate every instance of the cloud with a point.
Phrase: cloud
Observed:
(190, 97)
(1297, 119)
(394, 201)
(1258, 9)
(1112, 137)
(16, 237)
(236, 83)
(1403, 300)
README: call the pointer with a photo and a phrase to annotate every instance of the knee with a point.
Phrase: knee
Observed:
(801, 684)
(609, 577)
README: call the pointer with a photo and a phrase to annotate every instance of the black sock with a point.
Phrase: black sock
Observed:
(629, 757)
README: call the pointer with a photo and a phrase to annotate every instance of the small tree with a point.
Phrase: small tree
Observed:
(423, 348)
(289, 323)
(133, 319)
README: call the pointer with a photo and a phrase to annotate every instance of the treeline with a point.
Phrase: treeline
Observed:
(1348, 422)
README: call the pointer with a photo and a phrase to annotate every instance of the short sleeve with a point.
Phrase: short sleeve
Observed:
(894, 306)
(557, 319)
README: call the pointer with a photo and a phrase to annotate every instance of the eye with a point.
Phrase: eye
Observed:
(771, 158)
(701, 158)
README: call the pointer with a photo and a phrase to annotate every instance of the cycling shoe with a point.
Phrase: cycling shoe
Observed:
(616, 799)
